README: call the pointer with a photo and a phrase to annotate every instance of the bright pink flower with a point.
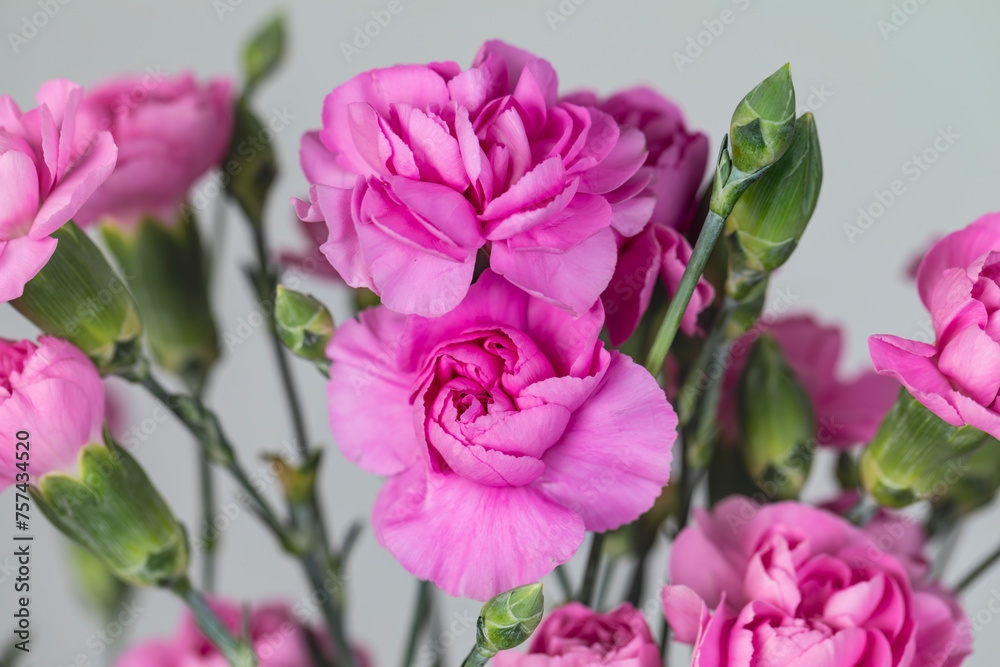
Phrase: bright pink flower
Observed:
(48, 169)
(574, 636)
(54, 392)
(279, 640)
(419, 168)
(796, 586)
(667, 187)
(957, 377)
(169, 131)
(848, 412)
(507, 430)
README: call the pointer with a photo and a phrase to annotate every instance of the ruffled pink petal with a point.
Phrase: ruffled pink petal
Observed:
(676, 255)
(573, 279)
(685, 612)
(486, 539)
(614, 457)
(619, 166)
(19, 202)
(20, 261)
(320, 165)
(957, 250)
(369, 399)
(912, 363)
(631, 288)
(972, 360)
(76, 186)
(342, 247)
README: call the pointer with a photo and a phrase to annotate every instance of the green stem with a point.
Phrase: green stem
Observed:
(606, 576)
(476, 658)
(682, 297)
(978, 571)
(593, 566)
(237, 652)
(564, 582)
(664, 642)
(421, 615)
(208, 535)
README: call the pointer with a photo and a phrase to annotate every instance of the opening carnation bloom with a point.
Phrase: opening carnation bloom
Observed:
(667, 198)
(958, 377)
(169, 130)
(796, 586)
(507, 430)
(48, 169)
(576, 635)
(418, 167)
(54, 392)
(278, 639)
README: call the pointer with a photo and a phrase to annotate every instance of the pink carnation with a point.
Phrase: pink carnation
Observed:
(48, 169)
(957, 377)
(54, 392)
(574, 636)
(796, 586)
(507, 430)
(169, 132)
(279, 640)
(848, 411)
(667, 186)
(418, 169)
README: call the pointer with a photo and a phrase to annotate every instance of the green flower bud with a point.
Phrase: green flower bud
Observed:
(508, 619)
(767, 222)
(777, 422)
(99, 588)
(264, 52)
(166, 271)
(113, 510)
(78, 296)
(250, 163)
(763, 122)
(303, 323)
(916, 455)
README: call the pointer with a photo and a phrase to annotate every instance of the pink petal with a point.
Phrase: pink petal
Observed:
(20, 261)
(19, 202)
(320, 165)
(573, 279)
(628, 154)
(972, 360)
(912, 364)
(685, 611)
(342, 247)
(614, 457)
(957, 250)
(76, 185)
(486, 539)
(627, 296)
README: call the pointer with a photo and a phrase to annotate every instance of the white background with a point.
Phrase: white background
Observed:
(888, 94)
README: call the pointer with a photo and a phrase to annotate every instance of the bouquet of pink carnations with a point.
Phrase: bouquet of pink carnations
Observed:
(560, 330)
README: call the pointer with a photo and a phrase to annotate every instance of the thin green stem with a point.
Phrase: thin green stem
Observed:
(682, 297)
(421, 616)
(607, 575)
(664, 642)
(564, 581)
(978, 571)
(236, 651)
(476, 658)
(209, 536)
(593, 567)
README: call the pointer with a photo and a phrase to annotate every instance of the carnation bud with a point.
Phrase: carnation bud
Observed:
(916, 455)
(264, 52)
(506, 621)
(776, 420)
(78, 296)
(113, 510)
(304, 324)
(251, 157)
(166, 271)
(298, 482)
(763, 122)
(99, 588)
(767, 222)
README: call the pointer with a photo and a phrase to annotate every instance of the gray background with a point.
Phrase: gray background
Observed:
(887, 96)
